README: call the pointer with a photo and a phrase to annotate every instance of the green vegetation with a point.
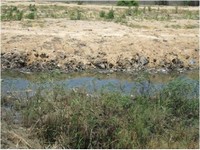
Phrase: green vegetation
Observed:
(66, 118)
(127, 3)
(102, 14)
(10, 13)
(110, 14)
(176, 10)
(31, 15)
(174, 26)
(76, 15)
(32, 8)
(80, 3)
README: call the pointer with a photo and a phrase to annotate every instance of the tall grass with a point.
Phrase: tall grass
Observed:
(66, 118)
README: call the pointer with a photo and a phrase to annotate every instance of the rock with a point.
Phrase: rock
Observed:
(187, 57)
(143, 61)
(123, 63)
(101, 63)
(192, 61)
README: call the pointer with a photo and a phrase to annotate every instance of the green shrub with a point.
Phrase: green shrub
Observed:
(31, 15)
(12, 13)
(110, 14)
(79, 2)
(102, 14)
(75, 15)
(127, 3)
(66, 118)
(19, 15)
(32, 8)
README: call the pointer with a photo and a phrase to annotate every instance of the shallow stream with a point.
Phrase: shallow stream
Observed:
(19, 82)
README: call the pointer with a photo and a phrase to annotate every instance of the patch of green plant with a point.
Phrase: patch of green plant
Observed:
(32, 7)
(144, 9)
(75, 15)
(129, 11)
(80, 3)
(102, 14)
(191, 3)
(191, 15)
(75, 119)
(110, 14)
(31, 15)
(11, 13)
(174, 26)
(191, 26)
(127, 3)
(149, 8)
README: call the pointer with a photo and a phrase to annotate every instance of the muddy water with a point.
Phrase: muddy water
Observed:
(18, 82)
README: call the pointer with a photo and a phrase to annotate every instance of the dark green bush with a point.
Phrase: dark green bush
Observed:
(32, 8)
(19, 15)
(102, 14)
(31, 15)
(12, 13)
(75, 15)
(127, 3)
(110, 14)
(79, 2)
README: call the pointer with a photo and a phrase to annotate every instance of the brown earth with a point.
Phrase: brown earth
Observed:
(82, 44)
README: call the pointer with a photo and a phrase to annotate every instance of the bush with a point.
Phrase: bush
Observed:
(31, 15)
(12, 13)
(32, 8)
(19, 15)
(110, 14)
(79, 2)
(102, 14)
(75, 15)
(127, 3)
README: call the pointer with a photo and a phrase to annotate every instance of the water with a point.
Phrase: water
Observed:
(20, 83)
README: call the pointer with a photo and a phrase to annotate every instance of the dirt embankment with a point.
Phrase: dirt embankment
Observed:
(69, 45)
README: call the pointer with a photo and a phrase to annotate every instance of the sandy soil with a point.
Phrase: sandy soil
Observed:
(86, 41)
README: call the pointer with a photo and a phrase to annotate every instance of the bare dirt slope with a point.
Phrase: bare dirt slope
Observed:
(84, 42)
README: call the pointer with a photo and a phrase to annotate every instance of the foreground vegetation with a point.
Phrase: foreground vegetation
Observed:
(63, 118)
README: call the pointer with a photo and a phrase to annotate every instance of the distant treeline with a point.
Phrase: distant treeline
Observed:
(141, 2)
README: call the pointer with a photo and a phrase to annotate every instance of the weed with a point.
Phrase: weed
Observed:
(80, 3)
(129, 11)
(176, 9)
(75, 15)
(175, 26)
(32, 8)
(127, 3)
(102, 14)
(144, 9)
(149, 8)
(191, 26)
(31, 15)
(110, 14)
(72, 119)
(12, 13)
